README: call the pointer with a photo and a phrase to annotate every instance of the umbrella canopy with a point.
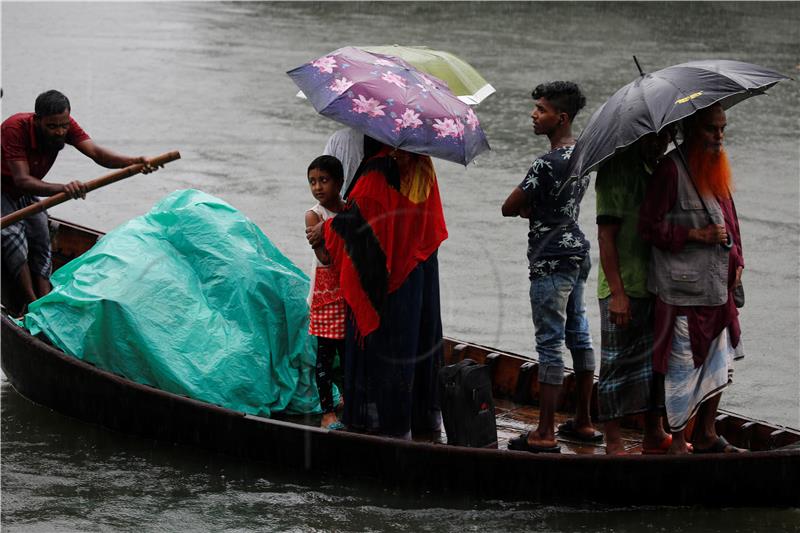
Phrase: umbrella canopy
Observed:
(464, 81)
(391, 101)
(654, 101)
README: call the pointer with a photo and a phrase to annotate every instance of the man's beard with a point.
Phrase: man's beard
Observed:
(711, 172)
(50, 143)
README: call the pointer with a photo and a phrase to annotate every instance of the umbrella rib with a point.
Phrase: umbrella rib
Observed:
(617, 112)
(718, 72)
(752, 91)
(445, 105)
(623, 146)
(682, 92)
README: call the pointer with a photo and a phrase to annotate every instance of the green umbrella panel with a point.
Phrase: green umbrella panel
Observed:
(463, 80)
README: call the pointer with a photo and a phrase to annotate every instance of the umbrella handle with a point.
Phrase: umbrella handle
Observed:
(729, 243)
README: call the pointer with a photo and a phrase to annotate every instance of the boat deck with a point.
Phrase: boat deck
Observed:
(513, 419)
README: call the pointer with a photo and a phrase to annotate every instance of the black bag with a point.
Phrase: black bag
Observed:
(465, 392)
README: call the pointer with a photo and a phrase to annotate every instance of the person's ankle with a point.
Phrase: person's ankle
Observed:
(328, 419)
(705, 439)
(540, 434)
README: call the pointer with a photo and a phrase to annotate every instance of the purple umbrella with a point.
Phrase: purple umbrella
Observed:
(391, 101)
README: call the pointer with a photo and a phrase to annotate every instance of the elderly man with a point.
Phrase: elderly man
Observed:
(626, 385)
(689, 217)
(30, 144)
(558, 257)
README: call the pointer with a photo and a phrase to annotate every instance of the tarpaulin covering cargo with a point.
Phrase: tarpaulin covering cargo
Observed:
(191, 298)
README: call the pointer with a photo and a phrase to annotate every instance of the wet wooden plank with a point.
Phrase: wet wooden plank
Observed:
(513, 419)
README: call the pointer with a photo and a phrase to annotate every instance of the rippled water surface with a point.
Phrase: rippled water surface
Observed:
(208, 79)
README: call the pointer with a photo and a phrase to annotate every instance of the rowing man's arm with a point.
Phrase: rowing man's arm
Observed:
(21, 174)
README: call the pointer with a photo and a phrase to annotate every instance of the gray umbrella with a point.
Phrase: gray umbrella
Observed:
(654, 101)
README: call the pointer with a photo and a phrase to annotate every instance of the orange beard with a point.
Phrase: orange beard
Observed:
(711, 172)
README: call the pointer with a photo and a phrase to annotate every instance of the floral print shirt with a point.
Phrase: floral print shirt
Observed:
(555, 242)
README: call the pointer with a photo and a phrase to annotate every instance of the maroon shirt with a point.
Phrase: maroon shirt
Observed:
(705, 322)
(19, 143)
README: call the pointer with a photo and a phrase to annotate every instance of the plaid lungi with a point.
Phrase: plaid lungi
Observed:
(26, 241)
(626, 383)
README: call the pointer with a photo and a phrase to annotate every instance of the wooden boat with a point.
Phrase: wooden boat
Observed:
(769, 476)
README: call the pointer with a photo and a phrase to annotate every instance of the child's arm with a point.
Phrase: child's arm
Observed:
(312, 219)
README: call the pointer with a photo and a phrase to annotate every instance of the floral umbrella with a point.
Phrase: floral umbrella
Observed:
(461, 77)
(391, 101)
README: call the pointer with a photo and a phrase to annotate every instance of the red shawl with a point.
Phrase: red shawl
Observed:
(393, 220)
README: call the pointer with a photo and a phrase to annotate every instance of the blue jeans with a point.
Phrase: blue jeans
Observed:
(559, 316)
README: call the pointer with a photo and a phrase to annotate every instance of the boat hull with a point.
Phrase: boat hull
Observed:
(53, 379)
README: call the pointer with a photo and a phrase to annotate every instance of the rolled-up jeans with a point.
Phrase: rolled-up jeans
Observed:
(559, 318)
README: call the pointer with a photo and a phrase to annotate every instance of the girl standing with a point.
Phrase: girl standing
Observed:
(325, 179)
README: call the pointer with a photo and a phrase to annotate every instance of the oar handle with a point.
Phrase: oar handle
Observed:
(91, 185)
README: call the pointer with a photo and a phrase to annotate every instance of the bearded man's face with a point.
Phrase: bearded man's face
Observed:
(710, 130)
(52, 130)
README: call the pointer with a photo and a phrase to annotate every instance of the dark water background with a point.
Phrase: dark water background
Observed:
(208, 79)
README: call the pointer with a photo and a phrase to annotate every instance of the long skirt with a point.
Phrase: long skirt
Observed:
(687, 387)
(390, 375)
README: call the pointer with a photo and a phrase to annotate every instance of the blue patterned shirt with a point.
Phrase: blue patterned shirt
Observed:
(555, 242)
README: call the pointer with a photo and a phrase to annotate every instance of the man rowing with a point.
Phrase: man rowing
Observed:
(30, 144)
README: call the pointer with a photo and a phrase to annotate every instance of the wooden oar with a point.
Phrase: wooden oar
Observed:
(102, 181)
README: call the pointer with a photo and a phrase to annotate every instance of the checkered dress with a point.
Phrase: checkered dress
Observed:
(325, 299)
(327, 305)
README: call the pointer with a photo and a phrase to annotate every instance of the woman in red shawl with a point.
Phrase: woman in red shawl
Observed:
(384, 245)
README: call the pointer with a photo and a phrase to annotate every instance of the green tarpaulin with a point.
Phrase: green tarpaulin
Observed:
(191, 298)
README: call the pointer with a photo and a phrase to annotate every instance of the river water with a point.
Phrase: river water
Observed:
(209, 80)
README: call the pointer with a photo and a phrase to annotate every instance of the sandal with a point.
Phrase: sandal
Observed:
(720, 446)
(569, 430)
(663, 448)
(521, 444)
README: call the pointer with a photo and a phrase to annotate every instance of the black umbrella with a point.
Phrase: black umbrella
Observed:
(654, 101)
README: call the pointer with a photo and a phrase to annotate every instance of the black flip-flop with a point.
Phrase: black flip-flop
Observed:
(720, 446)
(521, 444)
(568, 429)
